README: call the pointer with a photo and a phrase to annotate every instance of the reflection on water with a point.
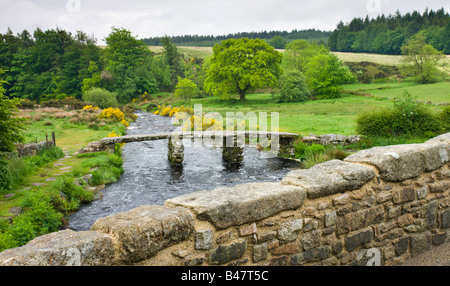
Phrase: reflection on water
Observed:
(149, 179)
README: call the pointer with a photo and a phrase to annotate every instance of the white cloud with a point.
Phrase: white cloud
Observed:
(203, 17)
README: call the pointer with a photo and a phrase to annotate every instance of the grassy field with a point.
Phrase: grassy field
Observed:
(437, 93)
(203, 52)
(336, 116)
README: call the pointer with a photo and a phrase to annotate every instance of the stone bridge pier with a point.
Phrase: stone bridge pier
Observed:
(233, 145)
(281, 143)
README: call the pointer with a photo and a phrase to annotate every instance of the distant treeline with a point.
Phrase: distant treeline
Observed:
(209, 41)
(387, 34)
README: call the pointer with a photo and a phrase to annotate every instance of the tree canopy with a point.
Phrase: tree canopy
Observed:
(421, 60)
(10, 125)
(239, 66)
(324, 72)
(387, 34)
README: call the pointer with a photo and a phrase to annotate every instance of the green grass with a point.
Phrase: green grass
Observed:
(336, 116)
(70, 137)
(436, 93)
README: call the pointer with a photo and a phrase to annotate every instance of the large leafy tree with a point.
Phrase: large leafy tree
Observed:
(129, 62)
(324, 72)
(421, 60)
(239, 66)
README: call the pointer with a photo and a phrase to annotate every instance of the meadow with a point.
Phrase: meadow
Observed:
(328, 116)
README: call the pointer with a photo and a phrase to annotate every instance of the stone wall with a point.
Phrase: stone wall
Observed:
(31, 149)
(377, 207)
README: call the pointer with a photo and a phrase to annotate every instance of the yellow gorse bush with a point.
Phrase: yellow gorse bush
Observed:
(115, 113)
(90, 107)
(113, 134)
(190, 121)
(124, 122)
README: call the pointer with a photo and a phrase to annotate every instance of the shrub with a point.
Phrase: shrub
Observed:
(293, 87)
(72, 103)
(101, 97)
(92, 125)
(408, 117)
(114, 113)
(52, 103)
(39, 217)
(315, 149)
(186, 89)
(26, 104)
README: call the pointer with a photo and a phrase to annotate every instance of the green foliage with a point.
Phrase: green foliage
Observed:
(173, 59)
(278, 42)
(101, 97)
(368, 72)
(211, 40)
(324, 71)
(108, 167)
(387, 34)
(325, 74)
(129, 64)
(293, 87)
(421, 60)
(14, 169)
(38, 217)
(406, 118)
(313, 154)
(10, 125)
(44, 209)
(239, 66)
(186, 89)
(445, 116)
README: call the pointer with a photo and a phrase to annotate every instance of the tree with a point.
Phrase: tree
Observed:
(10, 125)
(129, 62)
(293, 87)
(298, 53)
(172, 58)
(278, 42)
(325, 74)
(421, 60)
(239, 66)
(186, 89)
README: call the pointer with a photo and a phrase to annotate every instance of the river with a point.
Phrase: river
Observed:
(149, 179)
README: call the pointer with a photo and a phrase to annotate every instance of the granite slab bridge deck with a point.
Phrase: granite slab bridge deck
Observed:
(233, 142)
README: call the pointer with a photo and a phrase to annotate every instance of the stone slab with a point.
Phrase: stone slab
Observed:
(63, 248)
(401, 162)
(245, 203)
(330, 177)
(145, 230)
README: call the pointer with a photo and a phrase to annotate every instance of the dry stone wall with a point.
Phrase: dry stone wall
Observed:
(377, 207)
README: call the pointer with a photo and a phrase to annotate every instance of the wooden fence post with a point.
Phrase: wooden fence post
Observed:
(54, 138)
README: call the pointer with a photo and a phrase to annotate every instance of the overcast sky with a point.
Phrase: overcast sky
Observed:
(149, 18)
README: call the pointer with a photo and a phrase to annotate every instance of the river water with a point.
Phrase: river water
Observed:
(149, 179)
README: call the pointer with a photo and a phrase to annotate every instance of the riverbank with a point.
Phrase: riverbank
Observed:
(49, 187)
(149, 179)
